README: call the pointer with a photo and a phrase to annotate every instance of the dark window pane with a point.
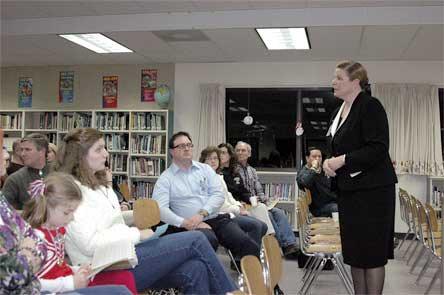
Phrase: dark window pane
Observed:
(274, 110)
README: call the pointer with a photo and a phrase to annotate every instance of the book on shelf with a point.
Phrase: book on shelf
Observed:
(116, 142)
(147, 167)
(112, 121)
(48, 120)
(280, 191)
(142, 189)
(75, 120)
(117, 162)
(117, 254)
(147, 121)
(11, 121)
(147, 144)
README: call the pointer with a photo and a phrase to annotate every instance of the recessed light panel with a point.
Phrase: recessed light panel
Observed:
(97, 42)
(284, 38)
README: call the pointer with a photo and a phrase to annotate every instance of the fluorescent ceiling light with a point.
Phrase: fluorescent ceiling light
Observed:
(305, 100)
(310, 110)
(234, 109)
(243, 109)
(284, 38)
(319, 100)
(232, 101)
(96, 42)
(324, 123)
(321, 110)
(313, 123)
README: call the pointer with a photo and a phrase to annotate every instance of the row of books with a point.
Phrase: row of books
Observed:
(147, 121)
(11, 121)
(75, 120)
(147, 167)
(112, 121)
(142, 190)
(148, 144)
(118, 162)
(116, 142)
(48, 120)
(280, 191)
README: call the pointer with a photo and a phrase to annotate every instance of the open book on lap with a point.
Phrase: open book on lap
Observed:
(118, 254)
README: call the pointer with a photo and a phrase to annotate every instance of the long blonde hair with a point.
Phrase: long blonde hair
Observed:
(59, 188)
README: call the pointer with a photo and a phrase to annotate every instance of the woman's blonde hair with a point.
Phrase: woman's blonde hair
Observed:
(59, 188)
(71, 157)
(355, 70)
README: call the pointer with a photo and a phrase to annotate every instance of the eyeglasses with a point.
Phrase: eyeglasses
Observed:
(183, 146)
(212, 158)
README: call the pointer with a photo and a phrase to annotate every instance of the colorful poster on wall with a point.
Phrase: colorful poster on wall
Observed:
(148, 84)
(25, 92)
(110, 84)
(66, 87)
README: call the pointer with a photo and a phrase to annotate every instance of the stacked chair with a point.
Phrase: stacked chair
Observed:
(422, 221)
(320, 240)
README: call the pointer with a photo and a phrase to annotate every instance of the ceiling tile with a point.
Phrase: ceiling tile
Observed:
(386, 42)
(295, 4)
(334, 42)
(427, 44)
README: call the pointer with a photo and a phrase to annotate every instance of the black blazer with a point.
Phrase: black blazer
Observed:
(364, 139)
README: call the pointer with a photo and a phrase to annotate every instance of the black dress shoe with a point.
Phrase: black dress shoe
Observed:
(293, 248)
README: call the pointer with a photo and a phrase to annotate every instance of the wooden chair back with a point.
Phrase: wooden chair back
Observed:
(146, 213)
(124, 189)
(252, 271)
(273, 261)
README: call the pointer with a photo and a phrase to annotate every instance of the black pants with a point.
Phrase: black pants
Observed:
(228, 234)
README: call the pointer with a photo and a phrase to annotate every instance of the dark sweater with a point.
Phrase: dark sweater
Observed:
(16, 185)
(236, 186)
(319, 186)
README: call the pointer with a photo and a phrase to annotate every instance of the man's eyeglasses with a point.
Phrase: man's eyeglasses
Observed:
(183, 146)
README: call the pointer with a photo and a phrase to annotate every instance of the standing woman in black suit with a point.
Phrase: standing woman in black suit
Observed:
(364, 178)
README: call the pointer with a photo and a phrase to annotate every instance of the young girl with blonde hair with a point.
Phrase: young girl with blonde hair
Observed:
(50, 209)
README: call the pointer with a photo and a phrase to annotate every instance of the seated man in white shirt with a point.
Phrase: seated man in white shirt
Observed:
(190, 195)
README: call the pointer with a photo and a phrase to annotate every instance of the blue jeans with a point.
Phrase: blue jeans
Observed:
(254, 228)
(284, 233)
(185, 260)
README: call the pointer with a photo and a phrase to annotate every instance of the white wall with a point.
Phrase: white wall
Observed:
(189, 76)
(87, 85)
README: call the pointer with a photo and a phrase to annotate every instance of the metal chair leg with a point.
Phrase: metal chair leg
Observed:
(342, 276)
(438, 272)
(408, 248)
(316, 274)
(405, 238)
(308, 266)
(424, 268)
(311, 273)
(418, 258)
(413, 252)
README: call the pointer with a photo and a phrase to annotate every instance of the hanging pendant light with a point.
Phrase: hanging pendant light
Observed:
(248, 120)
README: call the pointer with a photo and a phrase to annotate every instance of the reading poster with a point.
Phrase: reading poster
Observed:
(110, 91)
(25, 92)
(149, 84)
(66, 87)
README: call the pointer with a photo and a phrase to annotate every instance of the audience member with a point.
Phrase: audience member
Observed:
(255, 228)
(34, 149)
(16, 159)
(190, 196)
(52, 152)
(22, 251)
(284, 233)
(50, 209)
(185, 260)
(312, 177)
(235, 185)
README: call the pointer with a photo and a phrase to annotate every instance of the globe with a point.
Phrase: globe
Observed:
(162, 95)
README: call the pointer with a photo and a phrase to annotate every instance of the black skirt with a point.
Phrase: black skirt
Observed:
(367, 222)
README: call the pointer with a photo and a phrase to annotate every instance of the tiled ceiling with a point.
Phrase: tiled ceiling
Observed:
(228, 26)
